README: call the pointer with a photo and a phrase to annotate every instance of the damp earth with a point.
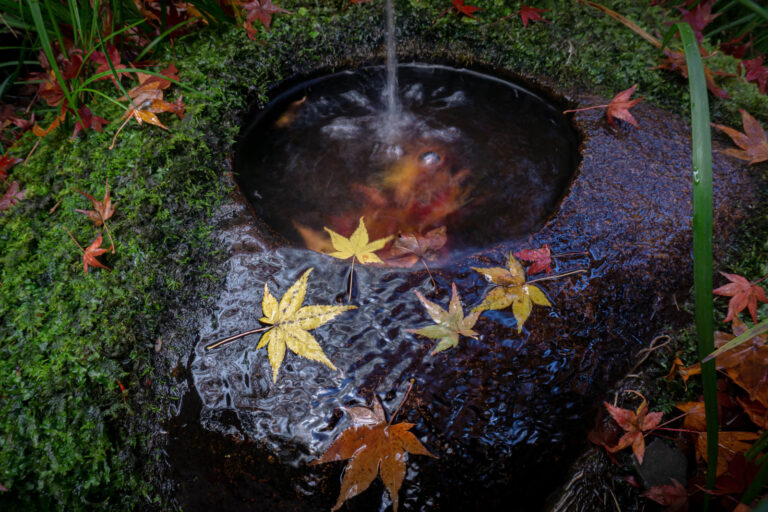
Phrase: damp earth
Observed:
(506, 413)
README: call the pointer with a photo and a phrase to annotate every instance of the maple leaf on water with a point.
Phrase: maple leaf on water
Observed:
(416, 246)
(357, 246)
(674, 496)
(617, 108)
(12, 196)
(634, 423)
(102, 210)
(699, 17)
(541, 259)
(743, 295)
(91, 252)
(753, 142)
(261, 10)
(450, 324)
(511, 290)
(291, 324)
(531, 14)
(373, 447)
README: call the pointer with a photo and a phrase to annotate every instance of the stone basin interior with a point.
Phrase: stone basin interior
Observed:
(483, 156)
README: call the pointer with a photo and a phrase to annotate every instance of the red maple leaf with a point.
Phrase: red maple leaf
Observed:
(261, 10)
(756, 73)
(6, 162)
(617, 108)
(11, 196)
(90, 254)
(634, 423)
(541, 259)
(675, 61)
(102, 210)
(102, 64)
(699, 17)
(466, 10)
(88, 121)
(735, 47)
(531, 14)
(675, 496)
(753, 142)
(743, 294)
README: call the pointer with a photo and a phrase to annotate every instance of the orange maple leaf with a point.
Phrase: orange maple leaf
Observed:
(617, 108)
(676, 61)
(743, 295)
(91, 252)
(729, 445)
(674, 496)
(634, 423)
(753, 142)
(102, 210)
(373, 447)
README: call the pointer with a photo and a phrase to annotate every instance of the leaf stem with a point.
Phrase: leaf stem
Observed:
(397, 411)
(73, 239)
(434, 283)
(109, 232)
(557, 276)
(235, 337)
(351, 278)
(569, 254)
(583, 109)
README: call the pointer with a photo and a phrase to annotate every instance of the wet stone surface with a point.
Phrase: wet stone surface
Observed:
(505, 413)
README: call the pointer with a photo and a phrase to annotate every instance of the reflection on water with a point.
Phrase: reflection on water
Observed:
(483, 157)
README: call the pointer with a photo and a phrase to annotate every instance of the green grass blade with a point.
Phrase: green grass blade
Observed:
(760, 445)
(702, 238)
(756, 330)
(757, 484)
(749, 4)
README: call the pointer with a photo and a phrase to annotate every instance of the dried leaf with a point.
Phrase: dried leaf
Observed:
(753, 142)
(743, 295)
(6, 162)
(512, 290)
(12, 196)
(617, 108)
(466, 10)
(695, 418)
(674, 497)
(261, 10)
(102, 210)
(450, 324)
(373, 449)
(675, 61)
(291, 323)
(357, 245)
(416, 246)
(699, 17)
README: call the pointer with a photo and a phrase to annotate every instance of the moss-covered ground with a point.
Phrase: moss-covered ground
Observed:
(70, 439)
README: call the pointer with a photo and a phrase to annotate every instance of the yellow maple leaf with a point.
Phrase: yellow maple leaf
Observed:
(511, 290)
(291, 323)
(357, 245)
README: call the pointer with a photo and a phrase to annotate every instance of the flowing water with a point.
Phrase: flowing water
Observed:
(390, 90)
(484, 157)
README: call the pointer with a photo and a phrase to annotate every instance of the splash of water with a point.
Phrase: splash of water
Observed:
(390, 90)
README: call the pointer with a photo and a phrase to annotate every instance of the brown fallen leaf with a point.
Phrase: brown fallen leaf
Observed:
(695, 418)
(729, 445)
(408, 248)
(102, 210)
(261, 10)
(635, 423)
(675, 61)
(373, 447)
(91, 252)
(12, 196)
(753, 142)
(756, 411)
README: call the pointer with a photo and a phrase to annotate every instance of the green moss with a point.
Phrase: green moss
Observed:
(68, 439)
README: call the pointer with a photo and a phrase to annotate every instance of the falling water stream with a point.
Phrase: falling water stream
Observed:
(390, 90)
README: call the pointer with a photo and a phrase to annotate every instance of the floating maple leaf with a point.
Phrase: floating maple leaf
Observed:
(743, 295)
(358, 247)
(408, 248)
(450, 324)
(634, 423)
(291, 324)
(753, 142)
(531, 14)
(261, 10)
(511, 290)
(617, 108)
(373, 447)
(541, 259)
(102, 210)
(674, 496)
(12, 196)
